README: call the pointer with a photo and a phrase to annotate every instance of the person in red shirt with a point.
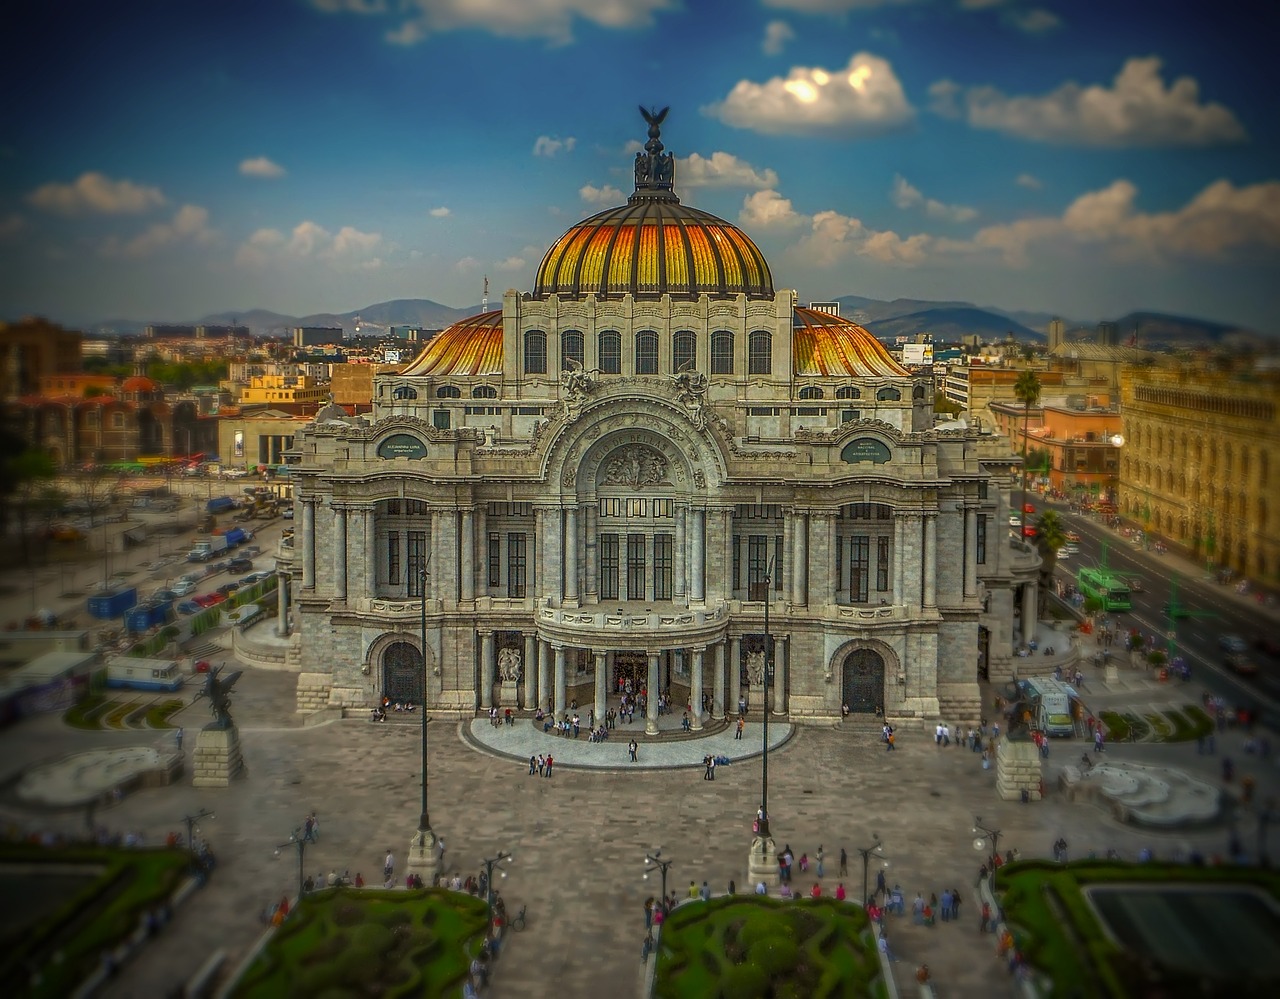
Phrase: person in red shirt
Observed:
(840, 892)
(815, 891)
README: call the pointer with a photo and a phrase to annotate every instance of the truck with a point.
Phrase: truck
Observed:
(144, 674)
(1053, 707)
(236, 536)
(113, 604)
(205, 549)
(149, 615)
(220, 504)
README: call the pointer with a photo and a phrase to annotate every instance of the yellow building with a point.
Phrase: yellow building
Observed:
(291, 393)
(1200, 456)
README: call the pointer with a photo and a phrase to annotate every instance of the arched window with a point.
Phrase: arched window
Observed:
(684, 351)
(609, 347)
(448, 392)
(811, 392)
(572, 349)
(484, 392)
(889, 395)
(404, 392)
(647, 353)
(722, 353)
(917, 393)
(760, 353)
(535, 353)
(848, 392)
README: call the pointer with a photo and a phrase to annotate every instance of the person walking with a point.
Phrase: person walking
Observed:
(741, 725)
(388, 867)
(550, 761)
(177, 737)
(533, 765)
(631, 749)
(844, 862)
(820, 858)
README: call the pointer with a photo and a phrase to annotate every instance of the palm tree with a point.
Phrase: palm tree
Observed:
(1050, 536)
(1027, 391)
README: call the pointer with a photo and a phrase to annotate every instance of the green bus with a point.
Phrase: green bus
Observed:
(1109, 588)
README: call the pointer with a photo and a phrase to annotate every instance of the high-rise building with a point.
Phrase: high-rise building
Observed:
(1057, 333)
(316, 336)
(1107, 335)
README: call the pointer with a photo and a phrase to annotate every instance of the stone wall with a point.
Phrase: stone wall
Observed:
(313, 692)
(1017, 770)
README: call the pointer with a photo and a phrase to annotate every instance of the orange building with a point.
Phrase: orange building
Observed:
(1082, 443)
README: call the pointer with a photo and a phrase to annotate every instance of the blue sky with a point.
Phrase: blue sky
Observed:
(164, 160)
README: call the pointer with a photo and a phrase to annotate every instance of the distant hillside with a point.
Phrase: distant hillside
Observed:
(259, 321)
(400, 312)
(1157, 328)
(952, 323)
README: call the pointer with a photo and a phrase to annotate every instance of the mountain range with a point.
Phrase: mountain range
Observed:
(947, 321)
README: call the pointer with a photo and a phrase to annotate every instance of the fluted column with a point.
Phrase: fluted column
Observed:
(602, 691)
(699, 546)
(651, 707)
(778, 685)
(800, 558)
(695, 688)
(717, 684)
(488, 667)
(899, 542)
(309, 544)
(282, 604)
(544, 674)
(970, 552)
(540, 573)
(727, 550)
(829, 560)
(530, 670)
(480, 573)
(593, 554)
(370, 552)
(468, 555)
(571, 553)
(1028, 612)
(559, 691)
(734, 667)
(681, 554)
(930, 586)
(340, 554)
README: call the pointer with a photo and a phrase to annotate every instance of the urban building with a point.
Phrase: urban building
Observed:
(256, 440)
(976, 388)
(32, 348)
(289, 393)
(316, 336)
(1071, 446)
(612, 476)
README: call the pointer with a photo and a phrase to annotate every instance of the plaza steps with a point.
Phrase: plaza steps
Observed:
(208, 650)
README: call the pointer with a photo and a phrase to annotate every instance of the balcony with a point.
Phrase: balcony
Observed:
(635, 626)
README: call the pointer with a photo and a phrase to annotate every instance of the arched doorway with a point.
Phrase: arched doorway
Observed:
(402, 673)
(864, 682)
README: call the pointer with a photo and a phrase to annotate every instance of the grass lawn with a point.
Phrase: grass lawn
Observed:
(158, 714)
(745, 947)
(357, 941)
(86, 713)
(118, 887)
(1058, 934)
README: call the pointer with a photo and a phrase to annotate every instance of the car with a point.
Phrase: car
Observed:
(216, 598)
(1232, 643)
(1136, 585)
(164, 595)
(226, 589)
(1029, 531)
(1177, 612)
(259, 576)
(223, 566)
(252, 552)
(203, 666)
(1072, 536)
(188, 607)
(1063, 555)
(240, 565)
(1241, 663)
(1070, 548)
(288, 513)
(204, 600)
(183, 586)
(1015, 520)
(234, 473)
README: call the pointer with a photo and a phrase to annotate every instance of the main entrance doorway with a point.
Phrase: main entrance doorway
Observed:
(864, 682)
(630, 666)
(402, 673)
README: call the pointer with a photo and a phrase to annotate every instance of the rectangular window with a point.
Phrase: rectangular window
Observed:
(849, 415)
(495, 559)
(635, 567)
(981, 542)
(608, 567)
(757, 566)
(663, 547)
(664, 508)
(516, 565)
(762, 411)
(417, 561)
(610, 507)
(982, 489)
(393, 558)
(637, 508)
(882, 564)
(393, 508)
(736, 572)
(440, 419)
(722, 353)
(839, 563)
(779, 570)
(859, 568)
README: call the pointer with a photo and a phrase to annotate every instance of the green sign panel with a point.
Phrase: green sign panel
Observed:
(866, 449)
(402, 446)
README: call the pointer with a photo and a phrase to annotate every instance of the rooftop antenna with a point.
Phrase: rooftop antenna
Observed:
(484, 302)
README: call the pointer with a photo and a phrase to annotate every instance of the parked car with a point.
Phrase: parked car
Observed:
(259, 576)
(203, 666)
(240, 565)
(188, 607)
(182, 587)
(1241, 663)
(252, 552)
(288, 513)
(164, 595)
(226, 589)
(1232, 643)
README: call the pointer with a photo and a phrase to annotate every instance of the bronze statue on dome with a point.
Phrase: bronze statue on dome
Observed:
(654, 169)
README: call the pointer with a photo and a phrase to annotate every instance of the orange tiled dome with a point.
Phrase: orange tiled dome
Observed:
(139, 383)
(471, 346)
(824, 344)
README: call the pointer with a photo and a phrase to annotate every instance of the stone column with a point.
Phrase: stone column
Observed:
(488, 667)
(468, 555)
(695, 688)
(560, 691)
(931, 560)
(800, 559)
(734, 667)
(282, 604)
(530, 670)
(651, 709)
(481, 573)
(727, 549)
(788, 554)
(681, 554)
(571, 554)
(544, 674)
(1028, 612)
(340, 554)
(970, 552)
(309, 544)
(832, 584)
(779, 684)
(602, 690)
(699, 546)
(899, 542)
(717, 684)
(370, 552)
(540, 575)
(821, 558)
(555, 554)
(593, 554)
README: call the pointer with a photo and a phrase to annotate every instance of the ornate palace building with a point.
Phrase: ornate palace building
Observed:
(607, 479)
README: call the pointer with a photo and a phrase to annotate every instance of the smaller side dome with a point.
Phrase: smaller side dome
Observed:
(139, 384)
(471, 346)
(826, 345)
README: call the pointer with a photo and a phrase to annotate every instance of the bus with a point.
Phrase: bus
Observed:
(1110, 588)
(1054, 705)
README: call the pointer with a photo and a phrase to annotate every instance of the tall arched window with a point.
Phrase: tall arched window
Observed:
(572, 349)
(609, 347)
(889, 395)
(760, 353)
(722, 353)
(811, 392)
(848, 392)
(484, 392)
(684, 351)
(535, 353)
(646, 353)
(448, 392)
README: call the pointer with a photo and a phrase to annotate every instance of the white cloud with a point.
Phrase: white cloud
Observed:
(510, 264)
(260, 166)
(769, 210)
(93, 192)
(549, 19)
(1137, 110)
(607, 195)
(190, 224)
(904, 195)
(721, 169)
(467, 265)
(863, 98)
(348, 247)
(776, 36)
(1035, 21)
(548, 145)
(440, 212)
(1030, 182)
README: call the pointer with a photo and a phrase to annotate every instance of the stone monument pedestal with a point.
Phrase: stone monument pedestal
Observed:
(507, 694)
(1017, 770)
(762, 864)
(217, 761)
(424, 858)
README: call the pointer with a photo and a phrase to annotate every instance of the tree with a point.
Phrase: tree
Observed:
(1050, 536)
(96, 490)
(1027, 391)
(32, 471)
(941, 404)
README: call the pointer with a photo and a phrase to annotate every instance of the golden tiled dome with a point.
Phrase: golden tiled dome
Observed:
(471, 346)
(824, 344)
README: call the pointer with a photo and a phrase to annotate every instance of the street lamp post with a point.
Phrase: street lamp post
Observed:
(489, 864)
(866, 852)
(994, 835)
(761, 863)
(299, 843)
(424, 853)
(657, 862)
(191, 821)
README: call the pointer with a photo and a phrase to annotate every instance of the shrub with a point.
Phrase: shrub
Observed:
(764, 926)
(744, 981)
(774, 955)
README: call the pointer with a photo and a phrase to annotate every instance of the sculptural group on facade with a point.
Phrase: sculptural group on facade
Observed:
(576, 384)
(755, 667)
(636, 467)
(691, 392)
(509, 665)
